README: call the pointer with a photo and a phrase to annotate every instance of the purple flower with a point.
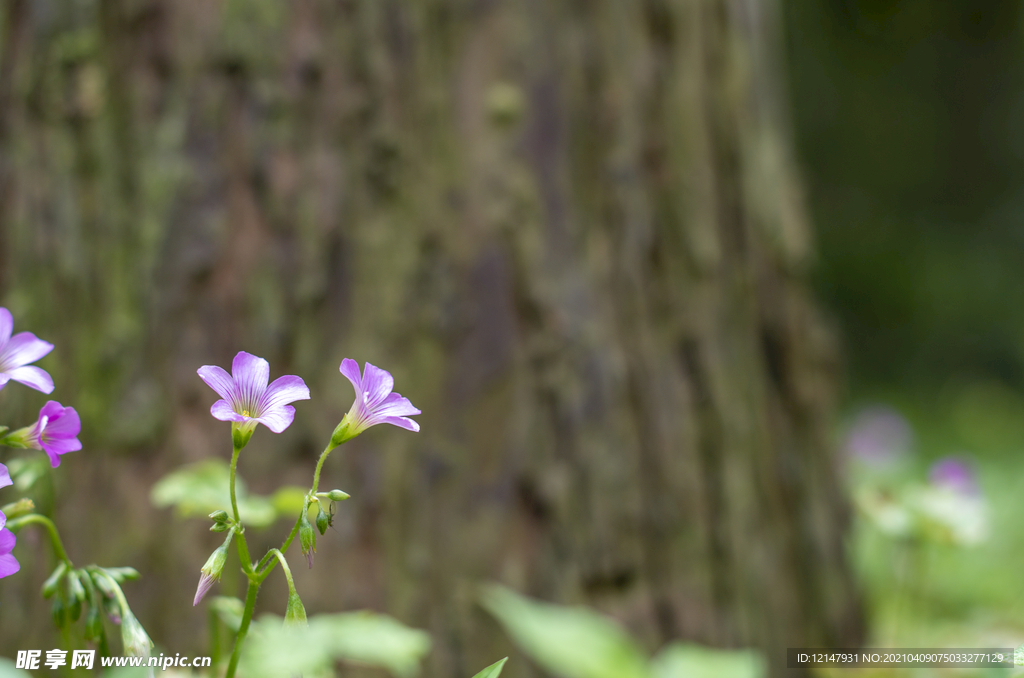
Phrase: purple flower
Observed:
(8, 564)
(954, 474)
(17, 352)
(246, 397)
(55, 432)
(374, 404)
(879, 436)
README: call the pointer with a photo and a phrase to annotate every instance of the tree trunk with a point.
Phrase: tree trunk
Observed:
(570, 229)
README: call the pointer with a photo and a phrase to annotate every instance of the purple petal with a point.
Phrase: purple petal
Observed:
(395, 406)
(4, 378)
(350, 368)
(8, 565)
(33, 376)
(278, 419)
(402, 422)
(222, 410)
(251, 375)
(55, 448)
(282, 391)
(7, 541)
(205, 584)
(6, 325)
(5, 480)
(24, 348)
(63, 424)
(217, 379)
(3, 520)
(377, 384)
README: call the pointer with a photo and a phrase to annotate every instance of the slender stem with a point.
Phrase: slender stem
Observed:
(284, 566)
(58, 546)
(250, 606)
(267, 563)
(243, 546)
(234, 465)
(320, 465)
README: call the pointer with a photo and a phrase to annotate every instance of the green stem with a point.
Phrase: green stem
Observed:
(250, 606)
(243, 546)
(234, 465)
(320, 465)
(34, 518)
(267, 563)
(284, 566)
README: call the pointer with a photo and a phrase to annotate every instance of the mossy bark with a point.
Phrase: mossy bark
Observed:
(573, 232)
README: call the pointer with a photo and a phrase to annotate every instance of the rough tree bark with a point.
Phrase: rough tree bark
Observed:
(571, 229)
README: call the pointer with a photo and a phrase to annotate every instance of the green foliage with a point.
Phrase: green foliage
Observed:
(201, 488)
(576, 642)
(680, 660)
(492, 671)
(364, 638)
(7, 670)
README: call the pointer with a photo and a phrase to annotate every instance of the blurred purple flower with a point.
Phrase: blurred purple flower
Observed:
(375, 402)
(17, 352)
(246, 397)
(55, 432)
(956, 474)
(8, 564)
(879, 436)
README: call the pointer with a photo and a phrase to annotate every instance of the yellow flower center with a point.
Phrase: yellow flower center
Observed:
(245, 413)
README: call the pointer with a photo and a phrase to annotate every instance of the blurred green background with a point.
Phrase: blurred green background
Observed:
(908, 123)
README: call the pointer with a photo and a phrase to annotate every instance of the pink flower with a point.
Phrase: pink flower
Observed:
(8, 564)
(17, 352)
(246, 399)
(55, 432)
(375, 402)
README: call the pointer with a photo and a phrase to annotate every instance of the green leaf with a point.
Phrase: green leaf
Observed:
(375, 640)
(289, 500)
(201, 488)
(8, 670)
(569, 641)
(492, 671)
(363, 638)
(679, 660)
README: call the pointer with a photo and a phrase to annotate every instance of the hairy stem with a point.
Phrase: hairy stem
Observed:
(267, 562)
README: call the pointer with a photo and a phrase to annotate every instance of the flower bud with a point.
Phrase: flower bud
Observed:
(296, 614)
(322, 521)
(307, 538)
(19, 508)
(220, 527)
(337, 495)
(219, 516)
(212, 570)
(134, 638)
(93, 624)
(59, 612)
(51, 583)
